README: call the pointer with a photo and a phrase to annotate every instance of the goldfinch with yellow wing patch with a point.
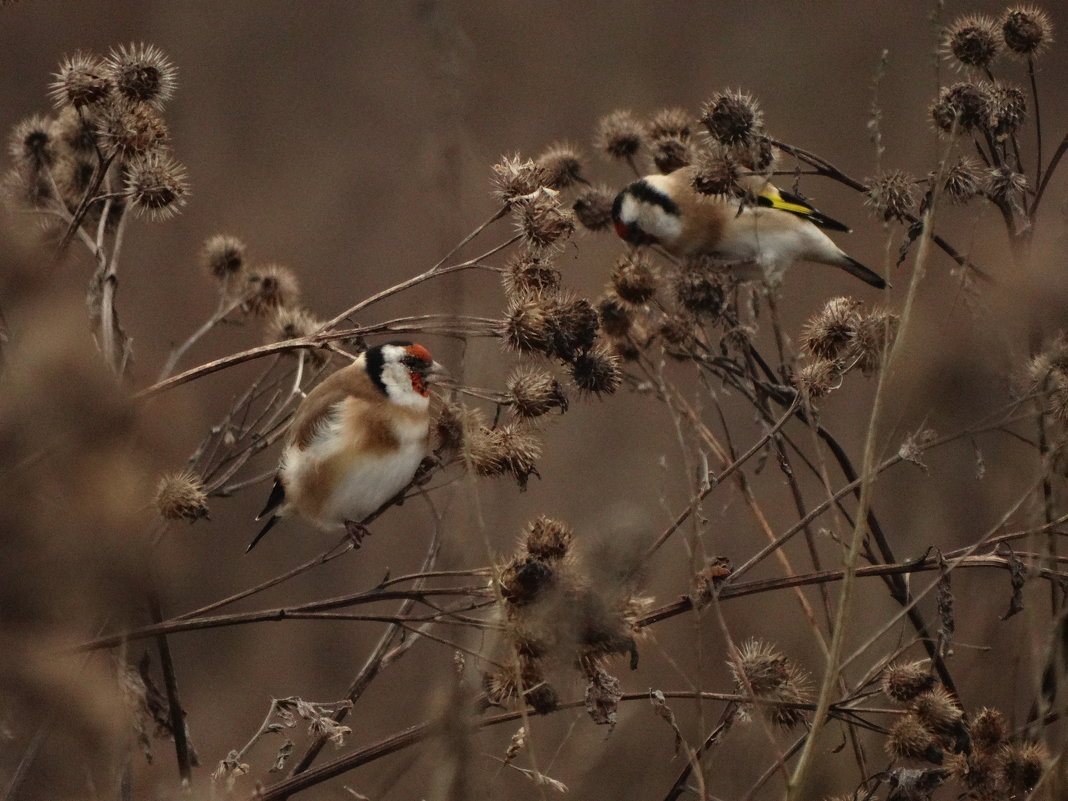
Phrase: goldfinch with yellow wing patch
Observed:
(356, 440)
(771, 230)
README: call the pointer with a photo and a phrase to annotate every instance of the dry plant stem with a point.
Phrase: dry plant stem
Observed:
(773, 769)
(88, 199)
(796, 785)
(374, 663)
(222, 309)
(19, 775)
(1045, 177)
(730, 712)
(170, 683)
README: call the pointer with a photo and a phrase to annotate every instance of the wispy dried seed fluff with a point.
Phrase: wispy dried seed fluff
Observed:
(128, 129)
(819, 378)
(1026, 30)
(81, 82)
(973, 40)
(961, 181)
(224, 257)
(910, 739)
(142, 73)
(515, 178)
(732, 117)
(181, 496)
(76, 130)
(543, 221)
(561, 165)
(1022, 765)
(26, 188)
(596, 371)
(1004, 183)
(961, 108)
(670, 123)
(988, 729)
(533, 392)
(905, 680)
(937, 709)
(828, 334)
(272, 286)
(634, 278)
(32, 144)
(620, 135)
(573, 324)
(891, 195)
(670, 154)
(717, 173)
(156, 185)
(526, 274)
(526, 323)
(548, 539)
(593, 207)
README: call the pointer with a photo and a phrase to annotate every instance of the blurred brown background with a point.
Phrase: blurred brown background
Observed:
(354, 143)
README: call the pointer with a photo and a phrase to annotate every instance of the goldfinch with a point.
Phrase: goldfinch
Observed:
(772, 231)
(356, 440)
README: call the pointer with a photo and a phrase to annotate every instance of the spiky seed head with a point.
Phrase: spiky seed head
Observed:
(617, 317)
(596, 371)
(1008, 108)
(819, 378)
(634, 278)
(903, 681)
(76, 130)
(671, 153)
(481, 451)
(518, 450)
(451, 426)
(988, 729)
(874, 333)
(620, 134)
(514, 177)
(543, 221)
(828, 334)
(522, 579)
(937, 709)
(573, 324)
(224, 257)
(1005, 184)
(961, 180)
(25, 188)
(128, 129)
(32, 144)
(534, 392)
(548, 539)
(909, 738)
(526, 274)
(717, 173)
(891, 195)
(561, 164)
(759, 669)
(700, 290)
(973, 40)
(757, 155)
(74, 175)
(676, 330)
(272, 286)
(142, 74)
(181, 496)
(526, 323)
(732, 117)
(593, 207)
(290, 322)
(1022, 765)
(1026, 30)
(961, 108)
(156, 185)
(670, 123)
(81, 82)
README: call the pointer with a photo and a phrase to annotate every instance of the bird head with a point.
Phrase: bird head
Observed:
(403, 370)
(644, 214)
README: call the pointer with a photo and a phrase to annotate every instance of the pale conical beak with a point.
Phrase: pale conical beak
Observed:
(437, 374)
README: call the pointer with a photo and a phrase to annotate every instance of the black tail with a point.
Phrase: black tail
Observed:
(854, 267)
(269, 525)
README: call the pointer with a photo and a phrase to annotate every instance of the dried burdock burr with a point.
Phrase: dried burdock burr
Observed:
(561, 166)
(593, 207)
(82, 82)
(596, 371)
(620, 135)
(271, 287)
(732, 117)
(155, 184)
(181, 496)
(1026, 30)
(142, 74)
(903, 681)
(972, 41)
(533, 392)
(891, 195)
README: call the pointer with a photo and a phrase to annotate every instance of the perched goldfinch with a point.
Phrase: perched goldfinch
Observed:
(772, 231)
(356, 440)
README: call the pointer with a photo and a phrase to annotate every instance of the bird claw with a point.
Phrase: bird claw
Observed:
(356, 532)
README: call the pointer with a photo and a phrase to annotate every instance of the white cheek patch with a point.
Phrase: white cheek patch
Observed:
(664, 226)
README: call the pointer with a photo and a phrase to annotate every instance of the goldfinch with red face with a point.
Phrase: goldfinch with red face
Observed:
(771, 231)
(356, 440)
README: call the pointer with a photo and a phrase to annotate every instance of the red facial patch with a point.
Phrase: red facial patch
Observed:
(621, 230)
(419, 382)
(419, 352)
